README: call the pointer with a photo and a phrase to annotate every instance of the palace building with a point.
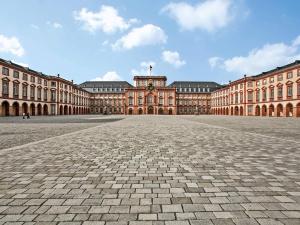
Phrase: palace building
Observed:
(272, 93)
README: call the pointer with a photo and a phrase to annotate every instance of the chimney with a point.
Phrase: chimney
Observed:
(58, 75)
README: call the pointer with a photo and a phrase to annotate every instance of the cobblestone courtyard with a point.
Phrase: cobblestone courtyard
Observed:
(144, 170)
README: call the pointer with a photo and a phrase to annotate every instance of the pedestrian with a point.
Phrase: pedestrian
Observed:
(23, 115)
(28, 116)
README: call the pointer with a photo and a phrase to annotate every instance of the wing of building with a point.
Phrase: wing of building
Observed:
(26, 91)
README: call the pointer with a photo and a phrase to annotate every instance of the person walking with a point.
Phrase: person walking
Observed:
(23, 115)
(28, 116)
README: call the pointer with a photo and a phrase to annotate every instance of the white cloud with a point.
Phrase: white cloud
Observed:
(148, 34)
(173, 58)
(144, 68)
(296, 42)
(107, 19)
(214, 61)
(261, 59)
(11, 45)
(55, 25)
(109, 76)
(20, 63)
(207, 15)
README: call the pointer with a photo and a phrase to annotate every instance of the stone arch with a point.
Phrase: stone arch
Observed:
(32, 109)
(150, 110)
(236, 111)
(170, 111)
(16, 108)
(227, 111)
(279, 110)
(298, 110)
(289, 110)
(45, 109)
(74, 111)
(65, 110)
(241, 111)
(39, 109)
(24, 108)
(61, 110)
(160, 111)
(5, 108)
(130, 111)
(70, 110)
(257, 110)
(140, 111)
(271, 110)
(231, 111)
(264, 110)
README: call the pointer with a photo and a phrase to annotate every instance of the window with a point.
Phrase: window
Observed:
(250, 96)
(289, 75)
(271, 79)
(241, 86)
(53, 84)
(45, 95)
(39, 93)
(170, 101)
(25, 76)
(264, 82)
(53, 96)
(45, 83)
(290, 90)
(130, 101)
(16, 90)
(257, 83)
(250, 84)
(32, 92)
(32, 79)
(39, 80)
(250, 110)
(140, 101)
(264, 96)
(161, 101)
(5, 71)
(16, 74)
(150, 99)
(279, 92)
(298, 73)
(298, 87)
(5, 88)
(241, 97)
(24, 91)
(279, 77)
(257, 95)
(272, 93)
(236, 98)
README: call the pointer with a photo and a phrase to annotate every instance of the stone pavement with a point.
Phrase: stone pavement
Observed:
(181, 170)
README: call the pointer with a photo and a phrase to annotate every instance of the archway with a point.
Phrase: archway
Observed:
(24, 108)
(231, 111)
(130, 111)
(65, 110)
(45, 110)
(298, 110)
(5, 108)
(264, 110)
(39, 109)
(170, 112)
(279, 110)
(32, 109)
(227, 111)
(257, 110)
(271, 110)
(160, 111)
(289, 110)
(70, 110)
(16, 109)
(61, 110)
(74, 111)
(140, 111)
(241, 111)
(150, 110)
(236, 111)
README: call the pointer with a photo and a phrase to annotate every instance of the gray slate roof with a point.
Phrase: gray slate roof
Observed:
(105, 84)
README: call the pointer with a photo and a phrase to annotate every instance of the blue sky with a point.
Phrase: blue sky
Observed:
(205, 40)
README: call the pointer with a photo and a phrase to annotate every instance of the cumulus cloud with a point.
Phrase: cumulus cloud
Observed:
(208, 15)
(148, 34)
(173, 58)
(107, 19)
(20, 63)
(11, 45)
(109, 76)
(144, 68)
(260, 59)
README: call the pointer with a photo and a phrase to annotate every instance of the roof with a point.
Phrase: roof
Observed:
(193, 84)
(150, 77)
(105, 84)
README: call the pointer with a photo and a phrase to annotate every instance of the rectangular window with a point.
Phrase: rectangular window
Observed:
(290, 91)
(16, 90)
(39, 93)
(264, 82)
(271, 79)
(32, 92)
(5, 71)
(257, 83)
(53, 84)
(250, 84)
(53, 96)
(264, 95)
(236, 98)
(39, 80)
(170, 101)
(130, 101)
(257, 96)
(32, 79)
(279, 77)
(45, 83)
(45, 95)
(161, 101)
(250, 96)
(272, 93)
(241, 97)
(25, 76)
(16, 74)
(279, 92)
(289, 75)
(250, 110)
(5, 88)
(298, 89)
(24, 91)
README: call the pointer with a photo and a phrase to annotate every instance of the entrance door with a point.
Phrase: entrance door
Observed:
(150, 110)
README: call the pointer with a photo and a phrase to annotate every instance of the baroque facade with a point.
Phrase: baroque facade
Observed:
(272, 93)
